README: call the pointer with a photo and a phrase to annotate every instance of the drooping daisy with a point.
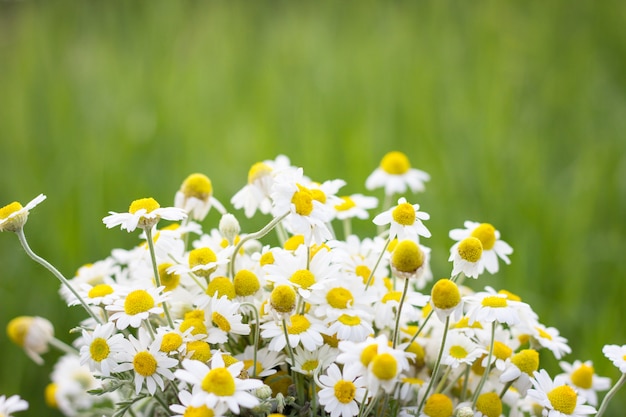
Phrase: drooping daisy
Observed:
(33, 334)
(557, 398)
(266, 361)
(195, 196)
(101, 347)
(149, 363)
(136, 305)
(218, 385)
(355, 205)
(301, 329)
(341, 391)
(582, 376)
(12, 404)
(617, 355)
(13, 216)
(488, 306)
(466, 257)
(520, 368)
(404, 220)
(493, 247)
(143, 213)
(395, 175)
(446, 300)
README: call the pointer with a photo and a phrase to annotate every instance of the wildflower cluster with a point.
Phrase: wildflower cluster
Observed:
(219, 323)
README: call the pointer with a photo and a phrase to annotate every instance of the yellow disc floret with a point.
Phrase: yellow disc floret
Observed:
(303, 278)
(339, 297)
(489, 404)
(303, 200)
(563, 399)
(470, 249)
(438, 405)
(246, 283)
(202, 411)
(220, 321)
(200, 350)
(299, 324)
(445, 294)
(283, 298)
(346, 204)
(197, 186)
(294, 242)
(171, 342)
(100, 290)
(220, 382)
(407, 256)
(526, 360)
(9, 209)
(258, 171)
(395, 163)
(486, 233)
(149, 204)
(99, 349)
(345, 391)
(494, 301)
(144, 363)
(368, 353)
(384, 366)
(222, 286)
(583, 376)
(169, 280)
(138, 301)
(200, 257)
(404, 214)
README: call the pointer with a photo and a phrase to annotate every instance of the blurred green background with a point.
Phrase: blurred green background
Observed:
(516, 109)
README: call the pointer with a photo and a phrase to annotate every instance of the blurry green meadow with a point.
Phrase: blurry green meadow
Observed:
(517, 110)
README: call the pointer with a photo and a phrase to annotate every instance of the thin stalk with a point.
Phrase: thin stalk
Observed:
(55, 272)
(293, 362)
(380, 257)
(419, 330)
(347, 227)
(62, 346)
(256, 336)
(397, 327)
(486, 373)
(610, 394)
(157, 277)
(436, 367)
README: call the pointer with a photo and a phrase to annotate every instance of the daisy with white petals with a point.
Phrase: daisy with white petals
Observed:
(557, 398)
(10, 405)
(136, 305)
(492, 246)
(341, 391)
(143, 213)
(617, 355)
(395, 175)
(582, 376)
(13, 216)
(405, 221)
(100, 349)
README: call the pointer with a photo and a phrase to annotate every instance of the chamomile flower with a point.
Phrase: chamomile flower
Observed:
(445, 298)
(201, 261)
(405, 221)
(101, 347)
(226, 319)
(33, 334)
(195, 196)
(13, 216)
(136, 305)
(617, 355)
(582, 376)
(557, 398)
(520, 368)
(266, 361)
(466, 257)
(488, 306)
(351, 326)
(149, 363)
(460, 349)
(72, 382)
(143, 213)
(308, 362)
(492, 246)
(218, 385)
(301, 329)
(395, 175)
(549, 337)
(341, 391)
(437, 405)
(355, 205)
(12, 404)
(185, 409)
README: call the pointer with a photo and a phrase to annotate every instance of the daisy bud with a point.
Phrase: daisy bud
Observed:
(439, 405)
(445, 298)
(465, 412)
(229, 227)
(489, 404)
(407, 259)
(32, 334)
(283, 298)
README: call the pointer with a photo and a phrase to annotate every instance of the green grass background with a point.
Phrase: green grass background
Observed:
(516, 109)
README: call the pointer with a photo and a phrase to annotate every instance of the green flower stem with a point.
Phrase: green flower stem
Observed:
(506, 388)
(256, 335)
(157, 277)
(347, 227)
(419, 330)
(380, 257)
(436, 367)
(397, 327)
(293, 363)
(486, 373)
(610, 394)
(265, 230)
(55, 272)
(62, 346)
(466, 375)
(444, 378)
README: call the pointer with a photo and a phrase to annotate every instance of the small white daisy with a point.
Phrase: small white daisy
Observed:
(549, 338)
(13, 216)
(143, 213)
(557, 398)
(309, 362)
(493, 247)
(405, 221)
(341, 391)
(395, 175)
(460, 349)
(195, 196)
(582, 376)
(226, 319)
(12, 404)
(489, 306)
(301, 329)
(617, 355)
(266, 361)
(33, 334)
(185, 409)
(355, 205)
(136, 305)
(466, 257)
(101, 347)
(352, 327)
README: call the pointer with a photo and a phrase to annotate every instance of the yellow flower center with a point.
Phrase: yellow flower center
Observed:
(363, 272)
(395, 163)
(318, 195)
(200, 350)
(345, 391)
(510, 296)
(349, 320)
(293, 242)
(268, 258)
(457, 352)
(470, 249)
(201, 256)
(258, 171)
(404, 214)
(368, 353)
(247, 364)
(445, 294)
(419, 353)
(138, 301)
(438, 405)
(9, 209)
(170, 281)
(198, 186)
(583, 376)
(100, 290)
(339, 297)
(384, 366)
(303, 278)
(220, 382)
(220, 321)
(50, 395)
(407, 256)
(543, 334)
(303, 200)
(149, 204)
(246, 283)
(464, 323)
(489, 404)
(299, 324)
(202, 411)
(331, 340)
(171, 342)
(99, 349)
(310, 365)
(222, 286)
(526, 360)
(486, 233)
(392, 296)
(283, 298)
(346, 204)
(501, 351)
(563, 399)
(494, 301)
(144, 363)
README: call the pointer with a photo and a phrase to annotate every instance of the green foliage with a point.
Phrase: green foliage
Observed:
(516, 109)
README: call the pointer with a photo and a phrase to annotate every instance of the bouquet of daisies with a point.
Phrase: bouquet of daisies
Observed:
(193, 322)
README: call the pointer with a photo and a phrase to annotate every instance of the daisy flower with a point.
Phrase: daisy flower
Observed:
(201, 261)
(309, 362)
(218, 386)
(355, 205)
(446, 300)
(405, 221)
(520, 368)
(72, 382)
(617, 355)
(557, 398)
(488, 306)
(352, 327)
(185, 409)
(582, 376)
(548, 337)
(13, 216)
(136, 305)
(466, 257)
(226, 319)
(395, 175)
(10, 405)
(195, 196)
(33, 334)
(149, 363)
(341, 391)
(460, 349)
(493, 247)
(266, 361)
(301, 329)
(100, 348)
(143, 213)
